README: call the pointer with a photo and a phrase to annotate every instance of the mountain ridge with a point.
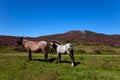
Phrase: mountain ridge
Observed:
(70, 36)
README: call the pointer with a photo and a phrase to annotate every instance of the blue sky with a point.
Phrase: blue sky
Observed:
(44, 17)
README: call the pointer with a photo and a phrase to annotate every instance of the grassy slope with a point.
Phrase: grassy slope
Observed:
(79, 48)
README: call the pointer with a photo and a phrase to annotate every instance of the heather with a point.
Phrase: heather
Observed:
(86, 37)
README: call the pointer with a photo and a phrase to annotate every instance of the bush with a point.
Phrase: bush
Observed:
(109, 51)
(96, 51)
(81, 51)
(20, 48)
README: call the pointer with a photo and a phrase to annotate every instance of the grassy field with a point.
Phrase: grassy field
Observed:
(93, 62)
(88, 67)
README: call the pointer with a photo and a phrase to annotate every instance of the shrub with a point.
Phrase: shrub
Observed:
(20, 48)
(81, 51)
(96, 51)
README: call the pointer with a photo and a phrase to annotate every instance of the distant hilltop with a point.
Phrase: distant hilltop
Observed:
(70, 36)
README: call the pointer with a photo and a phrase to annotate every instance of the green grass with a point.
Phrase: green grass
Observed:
(88, 67)
(14, 65)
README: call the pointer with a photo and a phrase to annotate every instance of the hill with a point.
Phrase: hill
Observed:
(70, 36)
(84, 36)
